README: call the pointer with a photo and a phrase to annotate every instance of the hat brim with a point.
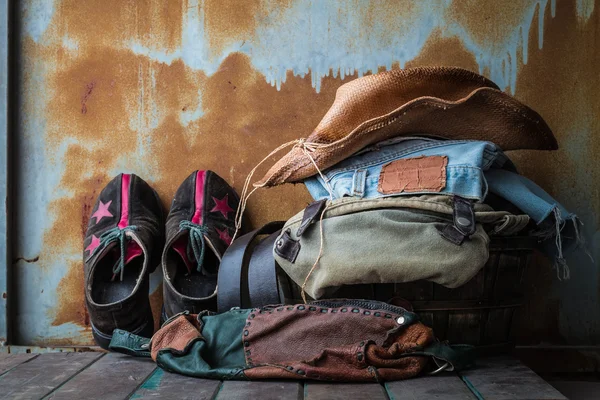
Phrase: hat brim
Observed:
(485, 114)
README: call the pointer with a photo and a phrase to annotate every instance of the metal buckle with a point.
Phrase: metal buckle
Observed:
(440, 369)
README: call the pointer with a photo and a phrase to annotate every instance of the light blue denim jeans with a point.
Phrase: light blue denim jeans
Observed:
(474, 168)
(358, 176)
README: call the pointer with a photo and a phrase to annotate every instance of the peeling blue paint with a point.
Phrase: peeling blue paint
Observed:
(36, 16)
(585, 8)
(69, 43)
(189, 116)
(38, 180)
(150, 385)
(313, 37)
(320, 38)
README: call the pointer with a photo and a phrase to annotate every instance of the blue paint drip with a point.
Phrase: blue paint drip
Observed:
(330, 38)
(585, 8)
(498, 60)
(325, 39)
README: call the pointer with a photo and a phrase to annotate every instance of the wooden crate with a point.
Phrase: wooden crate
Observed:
(481, 311)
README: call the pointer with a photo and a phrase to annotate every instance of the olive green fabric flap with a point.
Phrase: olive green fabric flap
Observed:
(390, 240)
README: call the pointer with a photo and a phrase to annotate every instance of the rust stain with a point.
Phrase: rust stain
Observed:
(88, 92)
(490, 20)
(440, 50)
(244, 117)
(71, 297)
(559, 82)
(229, 22)
(253, 111)
(112, 23)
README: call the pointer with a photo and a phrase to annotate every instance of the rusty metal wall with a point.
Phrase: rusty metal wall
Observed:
(160, 88)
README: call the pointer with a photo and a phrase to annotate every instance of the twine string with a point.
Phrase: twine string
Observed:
(307, 148)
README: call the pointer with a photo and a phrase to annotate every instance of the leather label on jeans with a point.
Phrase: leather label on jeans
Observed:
(410, 175)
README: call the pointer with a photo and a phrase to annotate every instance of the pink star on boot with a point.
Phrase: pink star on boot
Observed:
(102, 211)
(93, 244)
(224, 236)
(222, 206)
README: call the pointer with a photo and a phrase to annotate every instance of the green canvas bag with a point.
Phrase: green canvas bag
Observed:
(389, 240)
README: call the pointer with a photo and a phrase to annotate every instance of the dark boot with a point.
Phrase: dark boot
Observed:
(199, 228)
(120, 251)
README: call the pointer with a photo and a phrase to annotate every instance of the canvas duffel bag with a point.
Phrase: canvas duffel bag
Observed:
(389, 240)
(419, 235)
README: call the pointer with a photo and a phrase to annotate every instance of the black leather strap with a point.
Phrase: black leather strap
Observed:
(232, 287)
(311, 213)
(287, 248)
(262, 274)
(463, 217)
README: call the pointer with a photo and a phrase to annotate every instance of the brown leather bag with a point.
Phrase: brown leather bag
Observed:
(336, 340)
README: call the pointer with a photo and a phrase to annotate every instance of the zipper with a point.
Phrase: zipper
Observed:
(366, 304)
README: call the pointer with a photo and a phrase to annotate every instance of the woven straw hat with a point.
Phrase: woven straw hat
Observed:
(443, 102)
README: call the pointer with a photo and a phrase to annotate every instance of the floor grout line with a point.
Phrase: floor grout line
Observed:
(50, 394)
(132, 393)
(300, 394)
(24, 362)
(386, 392)
(217, 390)
(470, 386)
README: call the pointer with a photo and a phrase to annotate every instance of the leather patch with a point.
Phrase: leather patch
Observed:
(176, 335)
(347, 343)
(295, 333)
(413, 175)
(311, 213)
(287, 248)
